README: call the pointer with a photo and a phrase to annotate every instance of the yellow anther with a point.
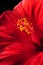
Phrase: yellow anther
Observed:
(27, 31)
(24, 25)
(21, 28)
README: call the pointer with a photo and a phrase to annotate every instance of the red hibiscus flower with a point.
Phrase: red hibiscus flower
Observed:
(20, 35)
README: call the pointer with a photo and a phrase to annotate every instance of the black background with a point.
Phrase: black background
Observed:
(7, 5)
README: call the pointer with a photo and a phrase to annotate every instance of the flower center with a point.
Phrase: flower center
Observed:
(24, 25)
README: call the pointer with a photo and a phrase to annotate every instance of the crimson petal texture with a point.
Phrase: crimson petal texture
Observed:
(20, 33)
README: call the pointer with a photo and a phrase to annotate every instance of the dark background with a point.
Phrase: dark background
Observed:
(7, 5)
